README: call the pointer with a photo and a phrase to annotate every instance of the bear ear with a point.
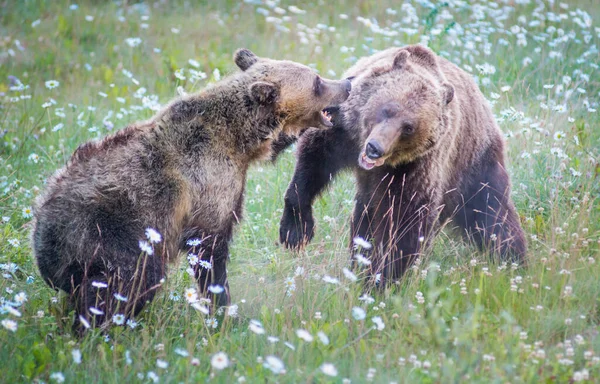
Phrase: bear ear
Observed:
(244, 58)
(448, 92)
(424, 56)
(400, 59)
(264, 93)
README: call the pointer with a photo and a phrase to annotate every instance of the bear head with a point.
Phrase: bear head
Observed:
(298, 94)
(401, 103)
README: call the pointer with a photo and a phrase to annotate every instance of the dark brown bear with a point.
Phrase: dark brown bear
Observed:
(424, 147)
(182, 173)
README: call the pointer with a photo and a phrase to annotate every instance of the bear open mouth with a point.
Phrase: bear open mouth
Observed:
(366, 163)
(326, 118)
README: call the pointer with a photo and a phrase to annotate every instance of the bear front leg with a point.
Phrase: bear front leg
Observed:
(489, 218)
(280, 144)
(321, 155)
(396, 242)
(409, 242)
(398, 218)
(211, 270)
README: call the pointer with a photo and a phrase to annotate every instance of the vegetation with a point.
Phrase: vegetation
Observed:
(70, 73)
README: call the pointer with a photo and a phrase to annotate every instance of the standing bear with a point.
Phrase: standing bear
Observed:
(424, 147)
(122, 207)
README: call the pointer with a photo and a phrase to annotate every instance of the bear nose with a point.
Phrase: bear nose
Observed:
(373, 150)
(347, 86)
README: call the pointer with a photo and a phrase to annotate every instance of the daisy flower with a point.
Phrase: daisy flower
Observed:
(96, 311)
(362, 260)
(216, 289)
(153, 236)
(194, 242)
(99, 284)
(27, 212)
(146, 247)
(191, 295)
(349, 275)
(304, 335)
(11, 325)
(76, 353)
(51, 84)
(119, 319)
(360, 242)
(192, 259)
(329, 369)
(358, 313)
(20, 297)
(120, 297)
(323, 338)
(379, 325)
(57, 377)
(219, 361)
(256, 327)
(212, 323)
(274, 364)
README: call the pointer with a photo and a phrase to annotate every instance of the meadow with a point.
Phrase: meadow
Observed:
(74, 72)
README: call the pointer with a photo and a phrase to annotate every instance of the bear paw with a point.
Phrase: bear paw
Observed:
(296, 228)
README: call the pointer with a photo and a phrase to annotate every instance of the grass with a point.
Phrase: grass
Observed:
(457, 317)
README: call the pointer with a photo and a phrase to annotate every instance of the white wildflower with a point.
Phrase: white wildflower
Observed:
(153, 236)
(304, 335)
(219, 361)
(358, 313)
(329, 369)
(274, 364)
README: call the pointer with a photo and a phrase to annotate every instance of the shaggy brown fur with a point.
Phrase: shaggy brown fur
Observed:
(181, 173)
(424, 148)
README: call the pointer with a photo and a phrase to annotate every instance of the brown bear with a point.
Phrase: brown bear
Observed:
(425, 149)
(177, 179)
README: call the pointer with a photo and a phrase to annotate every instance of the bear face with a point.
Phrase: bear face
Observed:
(404, 104)
(299, 94)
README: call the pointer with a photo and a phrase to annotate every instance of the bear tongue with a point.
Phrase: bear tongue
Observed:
(367, 163)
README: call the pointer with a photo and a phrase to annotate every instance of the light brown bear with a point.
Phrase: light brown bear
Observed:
(182, 173)
(425, 149)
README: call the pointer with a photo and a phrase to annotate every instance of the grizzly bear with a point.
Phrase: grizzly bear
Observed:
(122, 207)
(425, 149)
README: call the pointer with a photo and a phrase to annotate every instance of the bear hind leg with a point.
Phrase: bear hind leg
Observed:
(106, 297)
(489, 218)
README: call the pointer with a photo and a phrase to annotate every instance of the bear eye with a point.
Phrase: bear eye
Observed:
(318, 86)
(408, 129)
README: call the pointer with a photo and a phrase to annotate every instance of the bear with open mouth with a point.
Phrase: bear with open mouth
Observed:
(122, 207)
(425, 150)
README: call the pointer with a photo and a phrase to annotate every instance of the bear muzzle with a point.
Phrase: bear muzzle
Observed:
(338, 92)
(379, 146)
(372, 156)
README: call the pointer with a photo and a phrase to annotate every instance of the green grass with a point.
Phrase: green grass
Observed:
(480, 321)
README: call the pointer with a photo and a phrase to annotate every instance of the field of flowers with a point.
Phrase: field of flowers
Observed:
(70, 73)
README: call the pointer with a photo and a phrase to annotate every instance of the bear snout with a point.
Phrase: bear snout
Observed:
(338, 90)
